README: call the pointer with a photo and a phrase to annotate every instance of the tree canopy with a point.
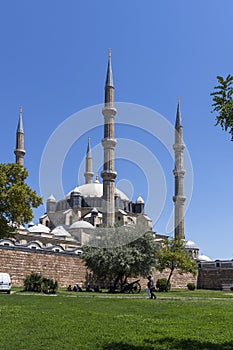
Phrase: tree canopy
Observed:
(171, 255)
(223, 103)
(119, 263)
(16, 198)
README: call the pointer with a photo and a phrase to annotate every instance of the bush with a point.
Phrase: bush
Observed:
(32, 283)
(163, 285)
(48, 286)
(36, 283)
(191, 286)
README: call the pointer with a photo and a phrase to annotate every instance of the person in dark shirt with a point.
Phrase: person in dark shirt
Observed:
(151, 286)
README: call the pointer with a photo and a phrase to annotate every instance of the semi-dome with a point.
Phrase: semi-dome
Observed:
(60, 231)
(81, 225)
(203, 257)
(39, 229)
(95, 189)
(190, 245)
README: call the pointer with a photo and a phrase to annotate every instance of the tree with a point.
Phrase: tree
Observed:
(172, 255)
(16, 199)
(119, 263)
(223, 103)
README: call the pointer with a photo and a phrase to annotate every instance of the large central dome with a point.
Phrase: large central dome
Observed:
(95, 189)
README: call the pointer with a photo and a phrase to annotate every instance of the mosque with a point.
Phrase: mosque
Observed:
(95, 204)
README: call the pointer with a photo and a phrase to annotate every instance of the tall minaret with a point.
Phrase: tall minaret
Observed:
(19, 149)
(179, 172)
(109, 142)
(88, 173)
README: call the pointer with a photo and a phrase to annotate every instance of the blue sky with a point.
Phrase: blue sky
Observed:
(53, 63)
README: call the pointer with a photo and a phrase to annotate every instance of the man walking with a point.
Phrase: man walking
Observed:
(151, 286)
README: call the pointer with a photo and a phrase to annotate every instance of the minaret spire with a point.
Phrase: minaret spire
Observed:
(109, 76)
(88, 173)
(179, 171)
(178, 115)
(19, 149)
(109, 142)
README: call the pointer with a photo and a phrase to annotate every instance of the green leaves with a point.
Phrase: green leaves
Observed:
(121, 262)
(16, 198)
(223, 103)
(172, 255)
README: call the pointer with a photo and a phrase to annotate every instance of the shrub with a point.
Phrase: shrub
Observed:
(32, 283)
(48, 286)
(36, 283)
(163, 285)
(191, 286)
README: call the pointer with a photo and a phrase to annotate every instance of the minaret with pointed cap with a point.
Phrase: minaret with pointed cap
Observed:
(179, 172)
(109, 142)
(19, 150)
(88, 173)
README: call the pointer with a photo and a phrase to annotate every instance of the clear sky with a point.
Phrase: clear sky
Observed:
(53, 62)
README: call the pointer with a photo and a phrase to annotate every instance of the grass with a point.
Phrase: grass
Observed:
(197, 320)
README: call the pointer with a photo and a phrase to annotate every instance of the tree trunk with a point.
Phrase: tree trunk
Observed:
(169, 277)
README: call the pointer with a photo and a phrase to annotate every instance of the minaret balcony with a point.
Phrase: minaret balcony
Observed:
(108, 175)
(109, 143)
(178, 147)
(19, 151)
(109, 110)
(179, 173)
(179, 199)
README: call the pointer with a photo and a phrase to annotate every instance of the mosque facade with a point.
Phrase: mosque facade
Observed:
(95, 204)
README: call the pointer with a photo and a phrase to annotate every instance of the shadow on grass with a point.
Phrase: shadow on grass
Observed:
(169, 344)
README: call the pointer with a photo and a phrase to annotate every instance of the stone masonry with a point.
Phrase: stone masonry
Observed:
(65, 268)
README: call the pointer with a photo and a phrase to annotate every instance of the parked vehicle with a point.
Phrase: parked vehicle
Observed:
(5, 282)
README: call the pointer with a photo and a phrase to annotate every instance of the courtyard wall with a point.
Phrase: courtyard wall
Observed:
(214, 278)
(63, 267)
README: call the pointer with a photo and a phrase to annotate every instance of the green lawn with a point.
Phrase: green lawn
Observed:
(197, 320)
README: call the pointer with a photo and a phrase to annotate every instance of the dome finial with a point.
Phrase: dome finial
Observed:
(97, 179)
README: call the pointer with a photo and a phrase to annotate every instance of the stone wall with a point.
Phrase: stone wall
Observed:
(65, 268)
(214, 278)
(177, 280)
(62, 267)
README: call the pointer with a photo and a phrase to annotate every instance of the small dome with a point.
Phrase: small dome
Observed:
(60, 231)
(190, 245)
(203, 257)
(81, 225)
(140, 200)
(30, 224)
(39, 228)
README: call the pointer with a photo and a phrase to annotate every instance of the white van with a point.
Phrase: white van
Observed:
(5, 282)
